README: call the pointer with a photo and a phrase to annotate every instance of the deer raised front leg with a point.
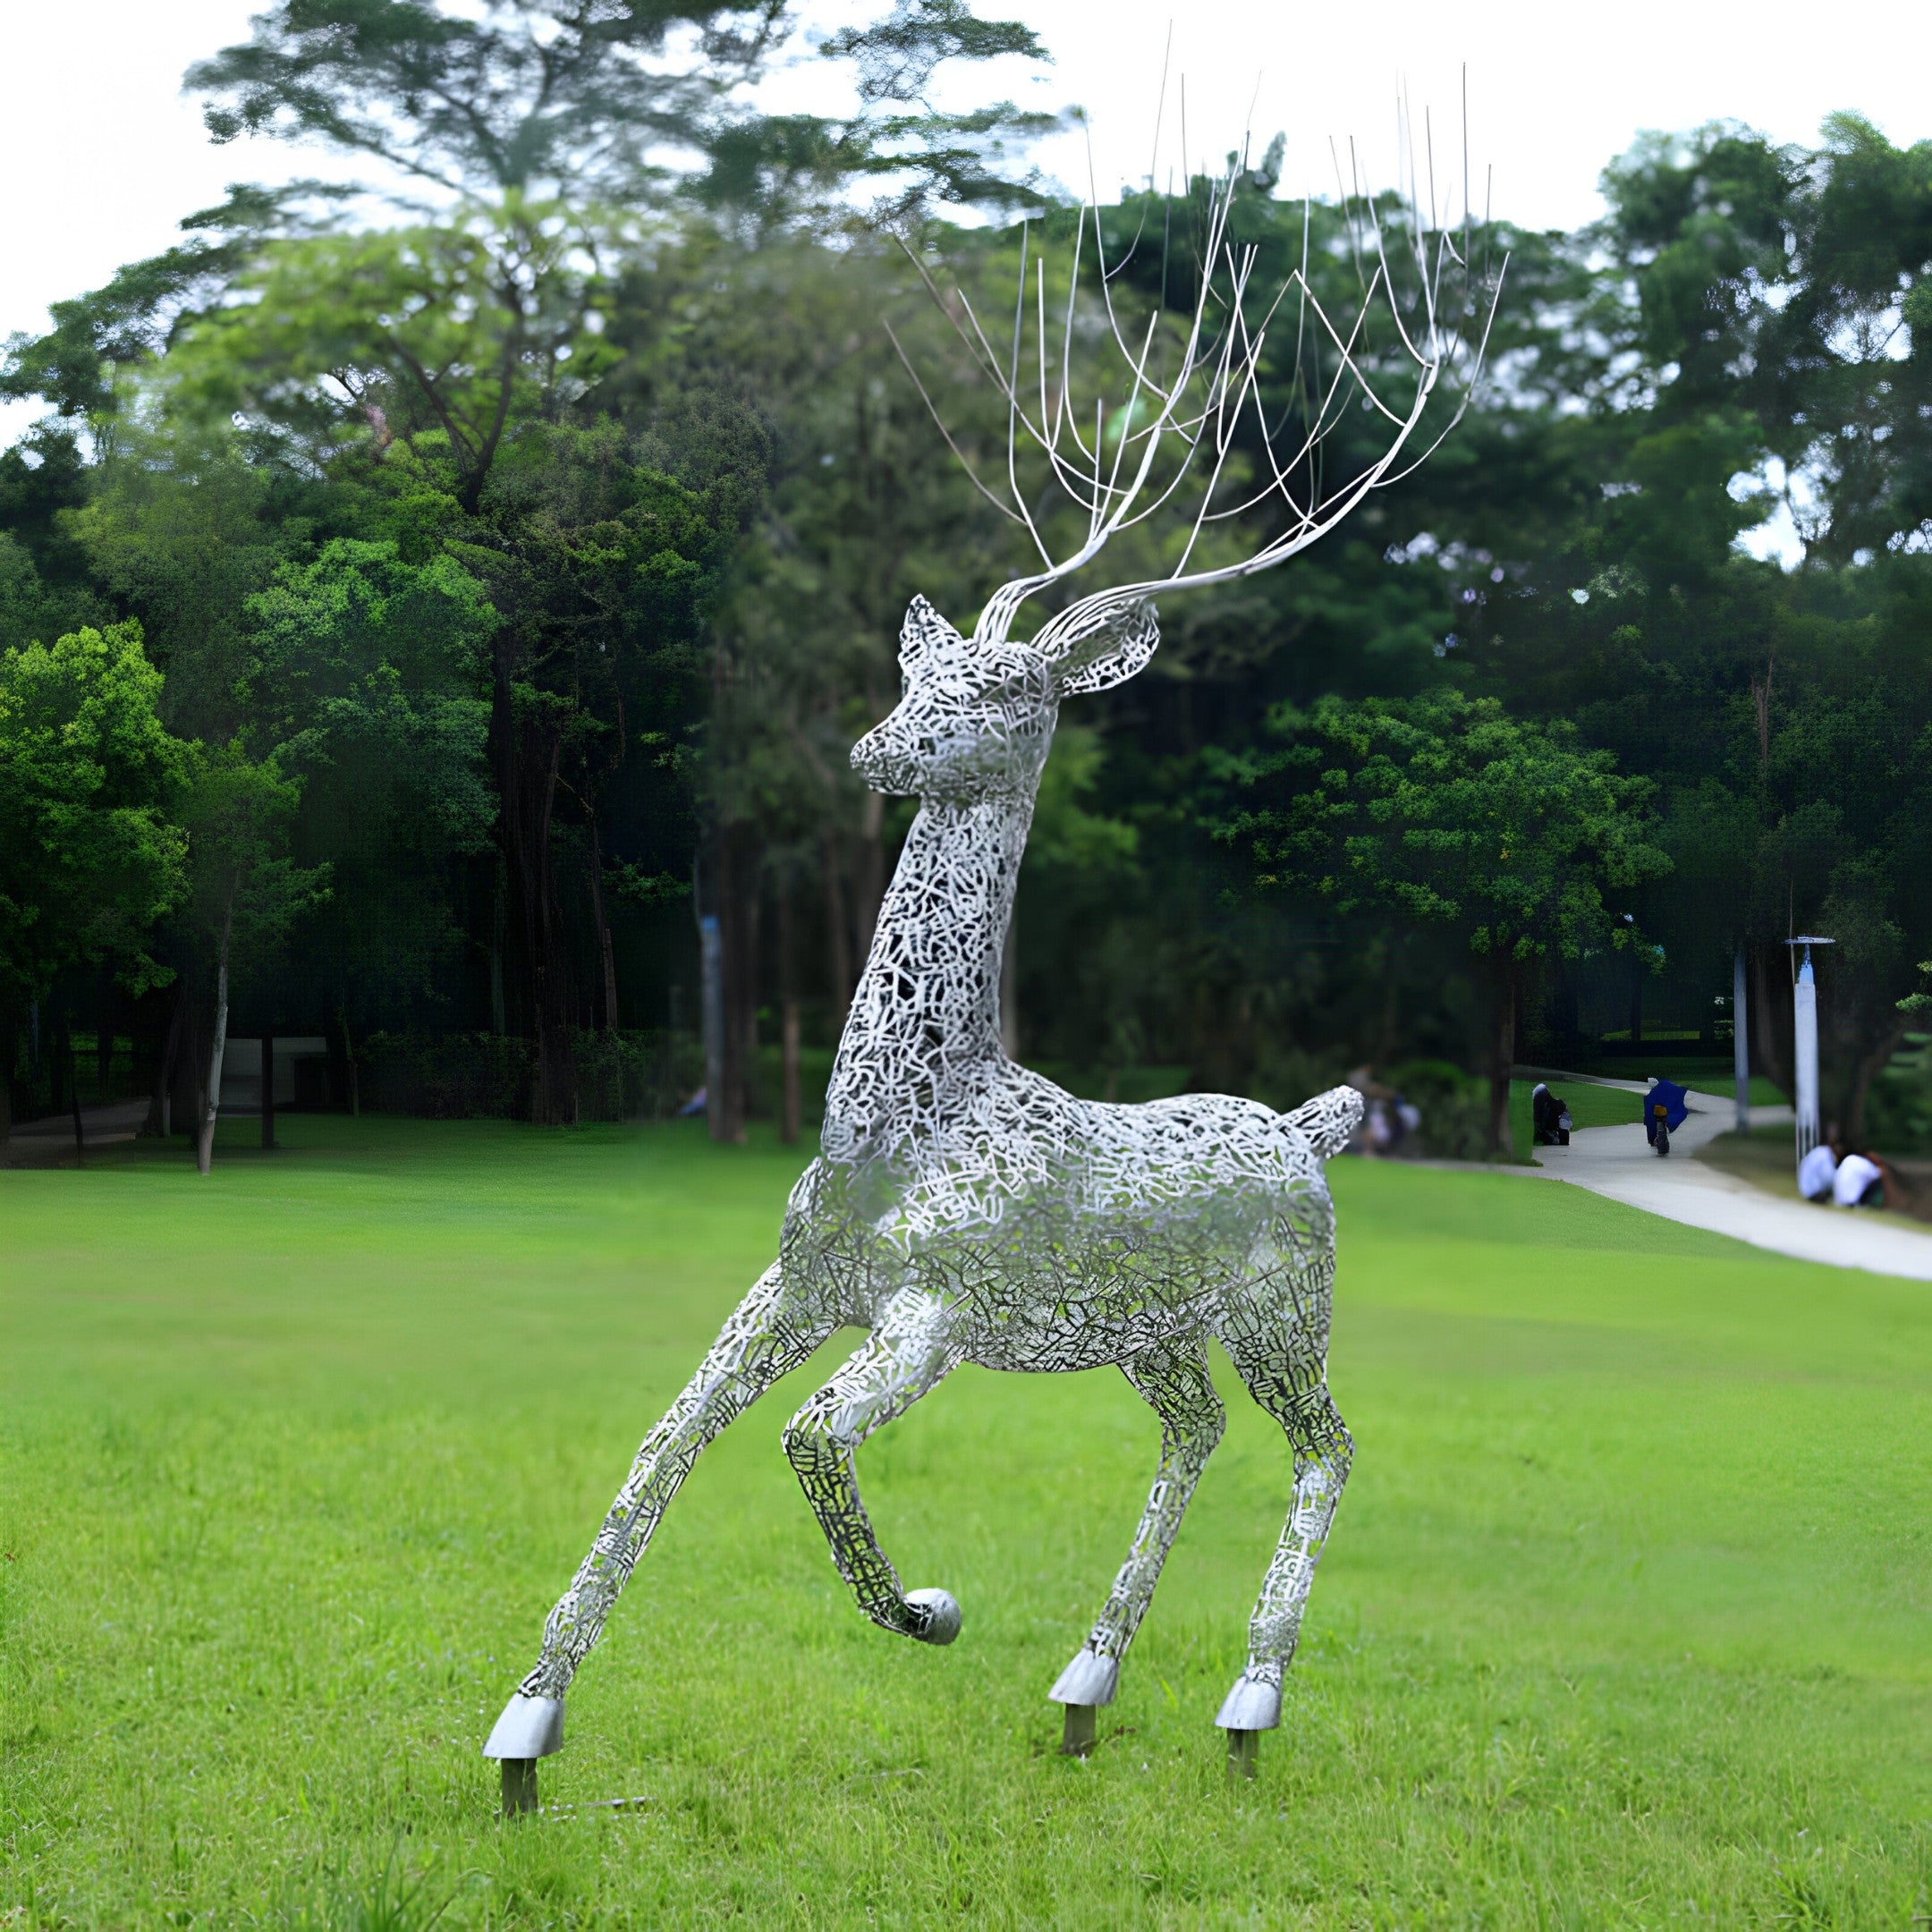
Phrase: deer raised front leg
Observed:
(911, 1351)
(1172, 1378)
(769, 1334)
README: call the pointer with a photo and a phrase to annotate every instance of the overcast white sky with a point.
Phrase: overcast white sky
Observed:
(101, 156)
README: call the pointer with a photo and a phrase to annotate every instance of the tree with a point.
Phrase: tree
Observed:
(368, 676)
(1443, 808)
(423, 374)
(582, 102)
(90, 855)
(181, 526)
(246, 892)
(863, 508)
(598, 564)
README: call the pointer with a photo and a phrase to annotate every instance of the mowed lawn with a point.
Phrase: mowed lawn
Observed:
(1627, 1619)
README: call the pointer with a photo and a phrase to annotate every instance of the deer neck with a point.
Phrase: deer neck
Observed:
(925, 1021)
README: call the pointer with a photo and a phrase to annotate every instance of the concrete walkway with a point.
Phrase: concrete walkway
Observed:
(47, 1143)
(1618, 1162)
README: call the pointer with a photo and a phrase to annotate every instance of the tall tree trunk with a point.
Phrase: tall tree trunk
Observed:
(527, 751)
(603, 928)
(1636, 998)
(73, 1101)
(6, 1081)
(211, 1099)
(789, 1104)
(267, 1090)
(737, 915)
(711, 1011)
(104, 1038)
(838, 931)
(349, 1062)
(1774, 1024)
(1565, 1008)
(158, 1107)
(1386, 1029)
(189, 1060)
(1740, 1042)
(1503, 1050)
(751, 902)
(1865, 1070)
(870, 886)
(497, 952)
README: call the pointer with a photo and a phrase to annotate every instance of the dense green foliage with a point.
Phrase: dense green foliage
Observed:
(293, 1465)
(547, 529)
(1443, 810)
(88, 858)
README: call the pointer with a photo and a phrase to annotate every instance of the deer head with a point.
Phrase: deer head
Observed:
(975, 718)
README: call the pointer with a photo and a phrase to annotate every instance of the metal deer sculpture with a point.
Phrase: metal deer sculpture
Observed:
(961, 1208)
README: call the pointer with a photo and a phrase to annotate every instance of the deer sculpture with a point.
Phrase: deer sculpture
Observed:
(961, 1208)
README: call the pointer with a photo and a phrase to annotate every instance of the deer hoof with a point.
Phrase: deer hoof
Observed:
(935, 1615)
(530, 1728)
(1251, 1706)
(1087, 1680)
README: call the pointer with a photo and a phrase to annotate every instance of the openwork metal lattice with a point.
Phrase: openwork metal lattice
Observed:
(964, 1209)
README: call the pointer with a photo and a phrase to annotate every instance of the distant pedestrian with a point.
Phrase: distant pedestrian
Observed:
(1860, 1182)
(1664, 1106)
(1817, 1170)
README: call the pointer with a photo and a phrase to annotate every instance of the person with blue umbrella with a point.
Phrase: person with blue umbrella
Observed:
(1664, 1107)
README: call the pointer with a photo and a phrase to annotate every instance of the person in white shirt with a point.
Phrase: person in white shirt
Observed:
(1816, 1172)
(1859, 1184)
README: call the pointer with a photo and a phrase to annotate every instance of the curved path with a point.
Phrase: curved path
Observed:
(1617, 1162)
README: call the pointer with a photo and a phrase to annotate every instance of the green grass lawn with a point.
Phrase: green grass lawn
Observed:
(1624, 1623)
(1765, 1157)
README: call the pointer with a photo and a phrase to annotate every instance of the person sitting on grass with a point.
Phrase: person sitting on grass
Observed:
(1819, 1169)
(1860, 1182)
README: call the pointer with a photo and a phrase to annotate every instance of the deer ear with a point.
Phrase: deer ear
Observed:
(1102, 647)
(923, 631)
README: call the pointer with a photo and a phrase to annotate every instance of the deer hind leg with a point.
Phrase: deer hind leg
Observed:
(1172, 1378)
(768, 1334)
(1278, 1344)
(911, 1350)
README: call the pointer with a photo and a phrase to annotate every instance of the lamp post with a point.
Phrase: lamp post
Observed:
(1804, 1041)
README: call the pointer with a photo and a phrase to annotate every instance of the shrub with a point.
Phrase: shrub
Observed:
(454, 1076)
(1898, 1110)
(1454, 1107)
(644, 1073)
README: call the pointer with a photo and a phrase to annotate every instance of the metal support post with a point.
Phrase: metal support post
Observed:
(1077, 1741)
(519, 1786)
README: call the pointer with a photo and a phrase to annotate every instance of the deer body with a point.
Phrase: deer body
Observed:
(962, 1208)
(1066, 1223)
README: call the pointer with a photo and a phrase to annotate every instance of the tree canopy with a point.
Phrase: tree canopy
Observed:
(521, 508)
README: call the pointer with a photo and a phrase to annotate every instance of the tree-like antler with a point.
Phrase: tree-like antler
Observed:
(1189, 433)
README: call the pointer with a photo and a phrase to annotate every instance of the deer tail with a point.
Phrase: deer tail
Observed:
(1329, 1120)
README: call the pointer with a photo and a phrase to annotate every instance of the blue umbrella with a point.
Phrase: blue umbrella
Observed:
(1669, 1097)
